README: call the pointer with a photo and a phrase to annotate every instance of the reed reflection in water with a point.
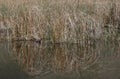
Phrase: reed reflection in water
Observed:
(31, 60)
(38, 59)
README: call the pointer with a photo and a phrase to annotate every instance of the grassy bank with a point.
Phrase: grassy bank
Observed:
(75, 21)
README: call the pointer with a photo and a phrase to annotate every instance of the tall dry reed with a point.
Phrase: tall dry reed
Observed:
(74, 21)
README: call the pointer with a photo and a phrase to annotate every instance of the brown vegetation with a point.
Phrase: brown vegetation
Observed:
(59, 20)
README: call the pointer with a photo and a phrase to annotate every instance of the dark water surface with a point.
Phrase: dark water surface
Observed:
(30, 60)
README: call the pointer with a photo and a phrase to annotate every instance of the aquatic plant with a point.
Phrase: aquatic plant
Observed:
(74, 21)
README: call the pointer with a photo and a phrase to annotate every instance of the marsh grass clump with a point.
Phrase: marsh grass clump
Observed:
(111, 22)
(56, 21)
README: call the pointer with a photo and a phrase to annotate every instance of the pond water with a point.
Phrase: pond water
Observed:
(31, 60)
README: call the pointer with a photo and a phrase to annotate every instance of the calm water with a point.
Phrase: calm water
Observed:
(30, 60)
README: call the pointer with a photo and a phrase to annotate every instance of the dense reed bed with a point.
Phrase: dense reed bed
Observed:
(75, 21)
